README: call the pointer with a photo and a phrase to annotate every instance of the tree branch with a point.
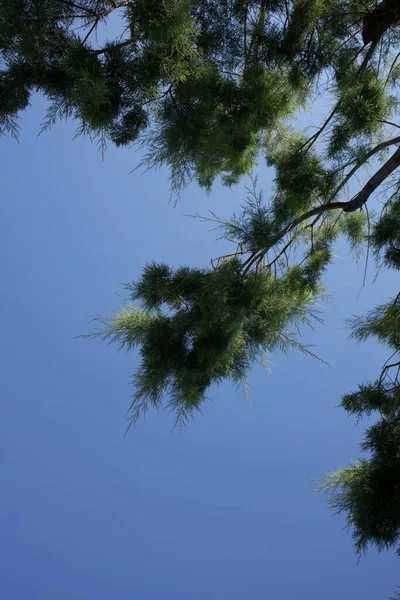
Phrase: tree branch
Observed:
(354, 204)
(103, 15)
(357, 202)
(374, 182)
(316, 135)
(112, 46)
(360, 163)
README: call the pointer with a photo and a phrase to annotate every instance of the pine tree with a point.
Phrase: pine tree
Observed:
(368, 492)
(206, 87)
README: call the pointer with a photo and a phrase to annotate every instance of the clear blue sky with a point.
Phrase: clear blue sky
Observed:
(224, 509)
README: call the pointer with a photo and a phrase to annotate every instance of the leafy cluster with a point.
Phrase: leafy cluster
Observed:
(198, 327)
(386, 235)
(302, 179)
(363, 104)
(368, 491)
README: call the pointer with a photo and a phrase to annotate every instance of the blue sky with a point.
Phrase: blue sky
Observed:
(223, 510)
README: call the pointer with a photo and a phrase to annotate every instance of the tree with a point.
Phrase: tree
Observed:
(204, 84)
(200, 326)
(206, 87)
(368, 491)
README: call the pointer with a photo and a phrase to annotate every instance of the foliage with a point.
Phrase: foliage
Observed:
(203, 85)
(368, 491)
(200, 326)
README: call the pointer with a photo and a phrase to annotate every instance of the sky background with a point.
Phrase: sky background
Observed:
(225, 509)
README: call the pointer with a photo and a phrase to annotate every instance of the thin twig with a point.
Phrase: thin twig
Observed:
(311, 141)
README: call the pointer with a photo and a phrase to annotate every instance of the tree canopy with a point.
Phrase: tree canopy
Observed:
(207, 87)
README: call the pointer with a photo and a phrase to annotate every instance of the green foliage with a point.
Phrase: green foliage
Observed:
(127, 130)
(383, 322)
(202, 84)
(198, 327)
(362, 106)
(168, 34)
(370, 398)
(386, 235)
(354, 226)
(14, 96)
(304, 17)
(367, 492)
(254, 228)
(211, 125)
(301, 178)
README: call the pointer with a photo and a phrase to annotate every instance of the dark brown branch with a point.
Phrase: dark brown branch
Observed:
(396, 364)
(368, 250)
(111, 47)
(374, 182)
(356, 203)
(316, 135)
(367, 58)
(355, 34)
(360, 163)
(389, 123)
(163, 95)
(386, 369)
(287, 18)
(283, 251)
(93, 27)
(178, 111)
(103, 15)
